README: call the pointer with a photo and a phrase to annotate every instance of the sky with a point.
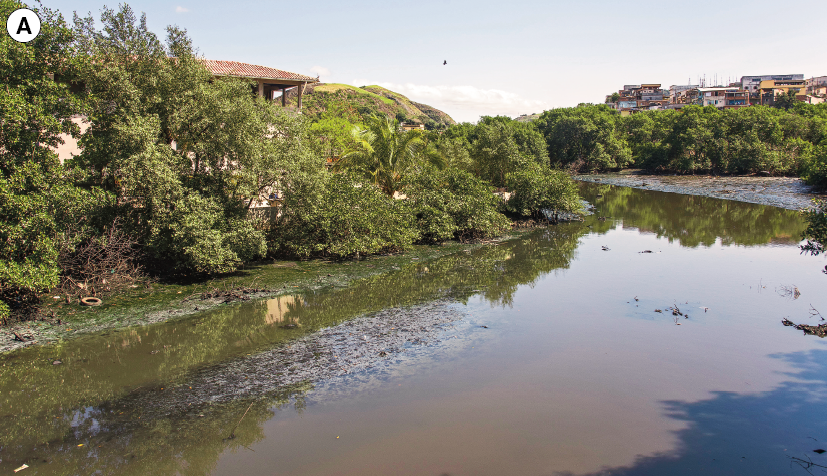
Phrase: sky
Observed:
(504, 58)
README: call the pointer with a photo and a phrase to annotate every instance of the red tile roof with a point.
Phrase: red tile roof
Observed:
(234, 68)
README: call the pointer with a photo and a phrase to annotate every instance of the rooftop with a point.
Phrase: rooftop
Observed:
(235, 68)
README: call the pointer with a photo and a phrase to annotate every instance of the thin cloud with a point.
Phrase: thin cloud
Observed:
(320, 71)
(465, 102)
(180, 9)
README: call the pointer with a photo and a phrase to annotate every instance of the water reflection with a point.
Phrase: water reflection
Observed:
(692, 220)
(278, 309)
(99, 390)
(758, 433)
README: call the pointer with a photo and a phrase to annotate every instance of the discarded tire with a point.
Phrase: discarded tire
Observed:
(91, 301)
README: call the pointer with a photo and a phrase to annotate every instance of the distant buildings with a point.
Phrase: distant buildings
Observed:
(750, 91)
(817, 87)
(769, 89)
(753, 83)
(412, 126)
(638, 97)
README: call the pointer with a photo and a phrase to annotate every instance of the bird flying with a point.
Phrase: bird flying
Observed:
(444, 62)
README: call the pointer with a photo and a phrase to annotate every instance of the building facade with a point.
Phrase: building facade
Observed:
(753, 83)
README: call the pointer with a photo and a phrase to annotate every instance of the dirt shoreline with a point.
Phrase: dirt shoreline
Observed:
(159, 303)
(782, 192)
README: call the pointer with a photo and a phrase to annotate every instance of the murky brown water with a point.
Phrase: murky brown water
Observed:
(574, 373)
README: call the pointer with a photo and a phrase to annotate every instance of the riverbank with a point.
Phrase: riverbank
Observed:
(159, 302)
(155, 302)
(782, 192)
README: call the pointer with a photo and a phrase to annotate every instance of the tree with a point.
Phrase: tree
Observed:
(538, 188)
(185, 153)
(612, 98)
(495, 152)
(383, 153)
(38, 199)
(786, 100)
(585, 138)
(452, 203)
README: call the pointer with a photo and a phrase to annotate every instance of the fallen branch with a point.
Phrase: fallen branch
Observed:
(232, 433)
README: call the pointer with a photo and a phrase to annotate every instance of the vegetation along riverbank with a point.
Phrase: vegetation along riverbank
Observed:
(189, 190)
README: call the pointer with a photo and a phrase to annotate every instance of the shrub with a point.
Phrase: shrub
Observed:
(197, 236)
(339, 216)
(98, 264)
(814, 170)
(37, 205)
(452, 203)
(537, 188)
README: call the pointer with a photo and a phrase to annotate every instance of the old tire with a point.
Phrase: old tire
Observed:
(91, 301)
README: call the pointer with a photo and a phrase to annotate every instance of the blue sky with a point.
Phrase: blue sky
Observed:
(506, 58)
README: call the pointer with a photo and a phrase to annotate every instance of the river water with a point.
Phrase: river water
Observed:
(537, 356)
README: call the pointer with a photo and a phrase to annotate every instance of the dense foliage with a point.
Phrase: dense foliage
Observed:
(453, 204)
(537, 188)
(777, 141)
(339, 216)
(585, 138)
(382, 153)
(41, 208)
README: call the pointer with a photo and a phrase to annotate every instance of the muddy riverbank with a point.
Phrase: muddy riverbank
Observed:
(782, 192)
(159, 302)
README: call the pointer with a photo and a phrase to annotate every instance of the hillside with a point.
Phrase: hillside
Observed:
(527, 117)
(355, 104)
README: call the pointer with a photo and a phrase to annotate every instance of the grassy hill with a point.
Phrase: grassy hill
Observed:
(355, 103)
(527, 117)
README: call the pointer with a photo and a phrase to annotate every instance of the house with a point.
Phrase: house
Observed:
(270, 81)
(677, 93)
(412, 126)
(753, 83)
(640, 97)
(817, 86)
(769, 89)
(722, 97)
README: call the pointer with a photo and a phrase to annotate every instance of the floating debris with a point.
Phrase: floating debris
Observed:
(820, 331)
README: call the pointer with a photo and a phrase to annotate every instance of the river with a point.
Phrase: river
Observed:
(536, 356)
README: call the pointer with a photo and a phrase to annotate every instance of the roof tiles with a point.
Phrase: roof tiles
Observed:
(235, 68)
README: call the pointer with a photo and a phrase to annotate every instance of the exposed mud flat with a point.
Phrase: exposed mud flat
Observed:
(783, 192)
(337, 351)
(50, 330)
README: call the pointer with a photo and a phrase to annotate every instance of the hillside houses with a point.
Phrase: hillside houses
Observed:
(750, 91)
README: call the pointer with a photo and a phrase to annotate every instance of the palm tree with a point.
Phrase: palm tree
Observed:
(383, 153)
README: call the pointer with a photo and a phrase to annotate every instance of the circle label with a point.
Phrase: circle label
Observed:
(23, 25)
